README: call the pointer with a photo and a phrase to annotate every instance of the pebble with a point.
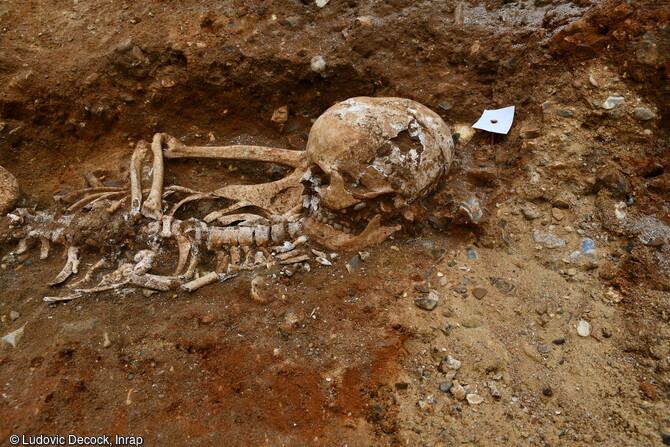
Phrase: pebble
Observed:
(106, 343)
(14, 315)
(584, 328)
(445, 386)
(593, 81)
(471, 253)
(648, 390)
(495, 392)
(564, 113)
(643, 114)
(425, 303)
(421, 288)
(647, 52)
(548, 392)
(321, 3)
(474, 399)
(530, 212)
(548, 240)
(458, 391)
(449, 363)
(557, 213)
(479, 292)
(612, 102)
(318, 64)
(445, 105)
(13, 337)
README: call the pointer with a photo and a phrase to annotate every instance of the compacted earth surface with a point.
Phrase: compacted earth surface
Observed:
(551, 323)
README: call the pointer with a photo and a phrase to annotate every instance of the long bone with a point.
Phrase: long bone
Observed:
(277, 197)
(153, 207)
(135, 177)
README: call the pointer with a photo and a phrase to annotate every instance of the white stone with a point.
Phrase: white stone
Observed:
(584, 328)
(612, 102)
(318, 64)
(474, 399)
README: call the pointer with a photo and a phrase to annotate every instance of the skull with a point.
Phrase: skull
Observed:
(371, 159)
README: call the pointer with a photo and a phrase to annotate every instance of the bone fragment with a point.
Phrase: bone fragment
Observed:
(71, 266)
(93, 198)
(245, 236)
(211, 217)
(175, 149)
(332, 239)
(144, 261)
(89, 273)
(74, 196)
(57, 299)
(278, 197)
(44, 247)
(260, 258)
(300, 241)
(195, 260)
(295, 228)
(277, 233)
(295, 260)
(184, 250)
(114, 207)
(255, 290)
(166, 232)
(191, 198)
(153, 207)
(288, 255)
(323, 261)
(154, 282)
(240, 217)
(283, 248)
(222, 261)
(235, 256)
(262, 235)
(92, 180)
(204, 280)
(24, 245)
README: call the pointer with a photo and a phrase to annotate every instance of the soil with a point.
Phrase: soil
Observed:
(340, 358)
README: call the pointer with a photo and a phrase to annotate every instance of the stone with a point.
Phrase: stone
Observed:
(583, 328)
(464, 132)
(13, 337)
(106, 342)
(564, 113)
(479, 292)
(318, 64)
(530, 212)
(530, 131)
(9, 191)
(593, 81)
(474, 399)
(643, 114)
(495, 392)
(548, 391)
(648, 390)
(647, 52)
(458, 391)
(445, 386)
(548, 240)
(280, 115)
(612, 102)
(321, 3)
(14, 315)
(449, 363)
(445, 105)
(557, 213)
(425, 303)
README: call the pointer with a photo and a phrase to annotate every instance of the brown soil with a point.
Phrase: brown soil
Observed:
(343, 358)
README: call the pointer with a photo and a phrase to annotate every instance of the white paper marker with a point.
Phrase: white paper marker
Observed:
(496, 121)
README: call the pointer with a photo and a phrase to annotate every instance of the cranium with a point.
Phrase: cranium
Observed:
(372, 157)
